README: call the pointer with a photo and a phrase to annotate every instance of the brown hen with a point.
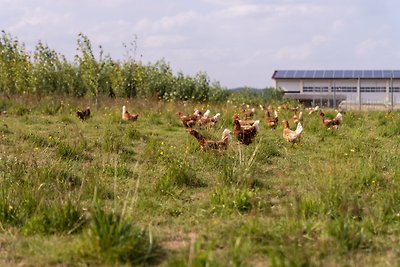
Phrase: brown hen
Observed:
(83, 114)
(245, 134)
(126, 116)
(209, 144)
(271, 122)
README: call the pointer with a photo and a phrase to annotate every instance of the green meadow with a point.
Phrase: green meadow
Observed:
(105, 192)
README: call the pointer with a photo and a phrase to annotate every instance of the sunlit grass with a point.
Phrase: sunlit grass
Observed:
(115, 193)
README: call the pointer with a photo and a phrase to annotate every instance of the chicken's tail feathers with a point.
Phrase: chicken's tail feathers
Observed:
(339, 117)
(299, 128)
(226, 134)
(207, 113)
(256, 124)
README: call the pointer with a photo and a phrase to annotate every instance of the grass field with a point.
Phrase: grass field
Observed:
(106, 192)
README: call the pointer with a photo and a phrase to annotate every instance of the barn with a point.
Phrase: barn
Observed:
(353, 88)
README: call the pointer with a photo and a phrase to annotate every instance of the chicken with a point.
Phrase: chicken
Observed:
(83, 114)
(207, 121)
(245, 134)
(243, 122)
(248, 114)
(126, 116)
(292, 136)
(312, 110)
(297, 118)
(331, 123)
(208, 144)
(188, 120)
(271, 122)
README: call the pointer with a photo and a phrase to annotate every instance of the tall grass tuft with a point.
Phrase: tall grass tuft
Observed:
(59, 217)
(114, 238)
(178, 174)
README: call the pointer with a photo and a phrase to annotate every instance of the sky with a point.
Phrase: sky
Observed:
(236, 42)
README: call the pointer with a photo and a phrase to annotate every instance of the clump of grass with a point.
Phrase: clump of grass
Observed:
(178, 174)
(66, 151)
(8, 210)
(4, 129)
(118, 171)
(113, 237)
(308, 207)
(59, 217)
(21, 110)
(52, 107)
(200, 253)
(240, 169)
(66, 119)
(111, 141)
(348, 233)
(242, 200)
(37, 140)
(134, 134)
(59, 176)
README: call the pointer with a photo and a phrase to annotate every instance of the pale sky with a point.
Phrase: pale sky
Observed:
(236, 42)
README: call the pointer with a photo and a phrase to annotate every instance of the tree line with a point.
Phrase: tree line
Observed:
(46, 72)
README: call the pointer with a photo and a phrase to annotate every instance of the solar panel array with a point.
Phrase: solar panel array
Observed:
(336, 74)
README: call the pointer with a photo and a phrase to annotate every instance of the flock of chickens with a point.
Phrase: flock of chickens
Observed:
(245, 130)
(126, 116)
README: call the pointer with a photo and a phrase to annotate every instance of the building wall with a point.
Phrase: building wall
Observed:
(372, 91)
(288, 85)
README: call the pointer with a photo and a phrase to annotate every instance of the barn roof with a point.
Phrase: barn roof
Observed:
(336, 74)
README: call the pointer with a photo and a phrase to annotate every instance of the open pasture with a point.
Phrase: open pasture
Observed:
(109, 192)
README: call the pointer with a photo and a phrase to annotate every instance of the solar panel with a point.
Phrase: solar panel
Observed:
(309, 74)
(358, 74)
(319, 74)
(396, 74)
(337, 74)
(290, 74)
(377, 73)
(348, 74)
(328, 74)
(280, 74)
(300, 74)
(368, 74)
(387, 73)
